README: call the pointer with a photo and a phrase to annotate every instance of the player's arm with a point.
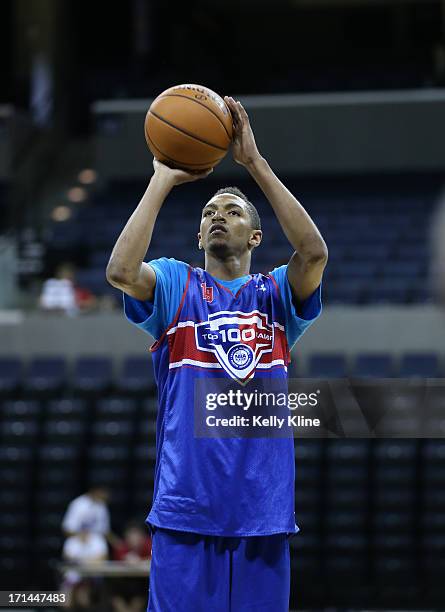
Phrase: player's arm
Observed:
(305, 268)
(126, 269)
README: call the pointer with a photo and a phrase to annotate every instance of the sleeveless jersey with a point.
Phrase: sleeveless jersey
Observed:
(221, 486)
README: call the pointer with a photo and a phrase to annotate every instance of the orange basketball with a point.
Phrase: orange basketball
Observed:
(189, 126)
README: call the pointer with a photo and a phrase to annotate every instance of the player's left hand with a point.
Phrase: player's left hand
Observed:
(244, 149)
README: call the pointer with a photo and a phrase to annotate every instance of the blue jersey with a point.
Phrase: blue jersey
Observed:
(234, 486)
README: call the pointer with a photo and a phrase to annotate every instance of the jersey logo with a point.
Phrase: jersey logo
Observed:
(207, 292)
(237, 339)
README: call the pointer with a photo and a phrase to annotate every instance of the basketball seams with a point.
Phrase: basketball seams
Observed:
(187, 133)
(177, 95)
(175, 161)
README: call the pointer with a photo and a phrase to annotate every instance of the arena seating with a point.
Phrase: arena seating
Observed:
(376, 231)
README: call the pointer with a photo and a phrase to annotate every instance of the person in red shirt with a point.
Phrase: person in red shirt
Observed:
(134, 547)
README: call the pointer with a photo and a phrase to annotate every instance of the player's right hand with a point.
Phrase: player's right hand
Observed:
(177, 176)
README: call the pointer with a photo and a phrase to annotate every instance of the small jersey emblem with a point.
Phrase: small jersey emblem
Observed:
(207, 292)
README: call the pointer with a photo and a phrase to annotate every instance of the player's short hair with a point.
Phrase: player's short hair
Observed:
(253, 213)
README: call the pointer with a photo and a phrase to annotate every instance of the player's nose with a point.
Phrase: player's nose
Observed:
(218, 217)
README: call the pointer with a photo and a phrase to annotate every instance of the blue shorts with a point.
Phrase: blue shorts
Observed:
(191, 572)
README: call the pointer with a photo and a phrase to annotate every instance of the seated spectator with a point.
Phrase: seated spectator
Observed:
(81, 549)
(130, 595)
(60, 294)
(136, 545)
(90, 511)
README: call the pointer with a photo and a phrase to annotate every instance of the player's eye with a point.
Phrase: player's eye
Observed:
(234, 212)
(207, 212)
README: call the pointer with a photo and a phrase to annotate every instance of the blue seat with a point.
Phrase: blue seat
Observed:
(108, 455)
(373, 366)
(422, 365)
(347, 452)
(18, 432)
(64, 431)
(344, 291)
(46, 375)
(115, 408)
(12, 474)
(137, 375)
(25, 409)
(395, 452)
(327, 366)
(67, 408)
(11, 371)
(61, 454)
(113, 432)
(14, 522)
(15, 455)
(92, 375)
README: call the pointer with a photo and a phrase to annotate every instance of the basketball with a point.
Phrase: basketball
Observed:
(189, 127)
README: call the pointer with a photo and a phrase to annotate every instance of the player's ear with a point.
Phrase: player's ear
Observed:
(255, 238)
(199, 241)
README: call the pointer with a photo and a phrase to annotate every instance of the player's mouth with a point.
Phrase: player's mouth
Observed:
(217, 228)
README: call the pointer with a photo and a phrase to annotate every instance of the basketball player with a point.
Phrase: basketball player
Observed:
(223, 509)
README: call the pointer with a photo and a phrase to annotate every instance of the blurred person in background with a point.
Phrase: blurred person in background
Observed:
(135, 546)
(83, 548)
(60, 293)
(129, 594)
(90, 511)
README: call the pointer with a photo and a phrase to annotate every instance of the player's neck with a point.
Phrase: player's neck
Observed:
(228, 269)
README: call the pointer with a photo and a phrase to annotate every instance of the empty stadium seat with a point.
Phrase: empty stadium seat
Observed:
(327, 366)
(92, 375)
(11, 373)
(64, 431)
(61, 454)
(112, 432)
(116, 408)
(17, 432)
(67, 408)
(373, 366)
(25, 409)
(137, 375)
(108, 455)
(46, 375)
(421, 365)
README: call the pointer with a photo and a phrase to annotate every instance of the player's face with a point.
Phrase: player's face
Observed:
(225, 225)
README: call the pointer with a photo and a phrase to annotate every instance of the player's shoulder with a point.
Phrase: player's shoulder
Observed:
(169, 269)
(165, 264)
